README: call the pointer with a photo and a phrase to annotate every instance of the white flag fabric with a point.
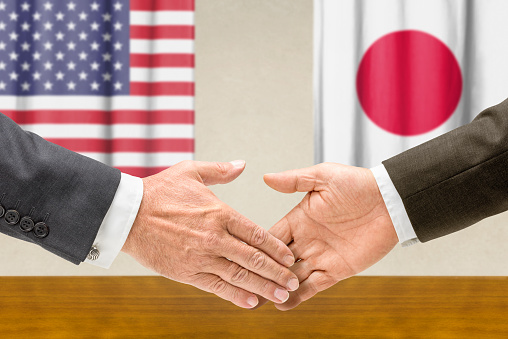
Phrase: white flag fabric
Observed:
(391, 74)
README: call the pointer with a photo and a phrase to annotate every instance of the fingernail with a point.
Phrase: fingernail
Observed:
(289, 260)
(293, 284)
(282, 295)
(252, 301)
(237, 164)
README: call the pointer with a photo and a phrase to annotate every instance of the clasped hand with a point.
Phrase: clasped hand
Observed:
(185, 233)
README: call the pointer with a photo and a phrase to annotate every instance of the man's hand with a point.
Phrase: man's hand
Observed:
(340, 228)
(185, 233)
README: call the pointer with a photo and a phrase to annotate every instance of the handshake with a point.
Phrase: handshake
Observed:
(185, 233)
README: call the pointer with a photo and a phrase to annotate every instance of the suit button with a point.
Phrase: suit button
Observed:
(26, 224)
(12, 217)
(41, 230)
(2, 211)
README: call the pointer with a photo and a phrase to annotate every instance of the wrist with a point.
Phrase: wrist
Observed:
(130, 241)
(394, 205)
(387, 225)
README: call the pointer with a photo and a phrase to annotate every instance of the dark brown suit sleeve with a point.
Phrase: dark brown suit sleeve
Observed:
(457, 179)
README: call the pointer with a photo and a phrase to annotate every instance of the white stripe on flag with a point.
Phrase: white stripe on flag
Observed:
(162, 74)
(161, 18)
(125, 159)
(161, 46)
(94, 131)
(119, 102)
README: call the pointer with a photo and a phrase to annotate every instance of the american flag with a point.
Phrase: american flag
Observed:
(110, 79)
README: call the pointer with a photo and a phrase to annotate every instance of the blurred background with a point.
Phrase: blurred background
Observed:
(254, 101)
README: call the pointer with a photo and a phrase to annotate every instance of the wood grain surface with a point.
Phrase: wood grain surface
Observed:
(153, 307)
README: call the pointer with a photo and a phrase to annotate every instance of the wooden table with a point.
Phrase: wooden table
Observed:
(153, 307)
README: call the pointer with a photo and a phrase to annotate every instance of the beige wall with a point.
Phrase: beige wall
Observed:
(254, 102)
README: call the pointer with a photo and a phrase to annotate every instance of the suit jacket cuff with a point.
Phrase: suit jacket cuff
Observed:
(118, 221)
(393, 202)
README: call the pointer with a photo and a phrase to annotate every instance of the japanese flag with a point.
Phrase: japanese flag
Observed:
(391, 74)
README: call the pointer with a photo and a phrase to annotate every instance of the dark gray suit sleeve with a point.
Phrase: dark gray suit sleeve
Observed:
(70, 193)
(457, 179)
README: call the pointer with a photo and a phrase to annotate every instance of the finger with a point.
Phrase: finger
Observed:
(297, 249)
(299, 180)
(213, 173)
(214, 284)
(256, 236)
(262, 302)
(238, 276)
(282, 230)
(285, 227)
(260, 263)
(318, 281)
(302, 269)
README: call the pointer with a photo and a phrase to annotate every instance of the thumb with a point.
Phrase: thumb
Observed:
(299, 180)
(213, 173)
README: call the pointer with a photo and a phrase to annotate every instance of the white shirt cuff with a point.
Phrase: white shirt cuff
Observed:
(400, 219)
(118, 220)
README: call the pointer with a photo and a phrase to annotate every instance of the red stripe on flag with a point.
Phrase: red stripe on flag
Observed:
(162, 32)
(100, 117)
(125, 145)
(162, 5)
(162, 88)
(162, 60)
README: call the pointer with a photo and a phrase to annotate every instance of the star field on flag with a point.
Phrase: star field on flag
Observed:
(79, 47)
(110, 79)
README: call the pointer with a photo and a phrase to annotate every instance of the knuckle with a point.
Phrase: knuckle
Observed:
(240, 275)
(264, 288)
(305, 182)
(216, 211)
(313, 289)
(257, 261)
(212, 240)
(235, 295)
(218, 286)
(259, 236)
(326, 166)
(322, 282)
(186, 164)
(221, 168)
(311, 262)
(283, 276)
(298, 183)
(225, 214)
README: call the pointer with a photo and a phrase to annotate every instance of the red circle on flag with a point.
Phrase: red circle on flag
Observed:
(409, 82)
